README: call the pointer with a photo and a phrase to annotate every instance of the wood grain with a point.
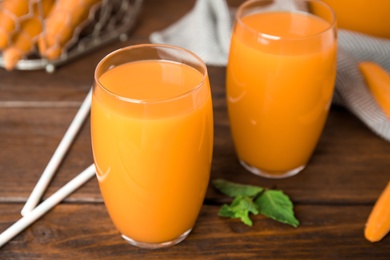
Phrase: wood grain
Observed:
(326, 232)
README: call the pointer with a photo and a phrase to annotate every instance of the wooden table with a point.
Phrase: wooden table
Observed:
(333, 195)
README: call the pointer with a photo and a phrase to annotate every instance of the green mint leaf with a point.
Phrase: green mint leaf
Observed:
(278, 206)
(240, 208)
(232, 189)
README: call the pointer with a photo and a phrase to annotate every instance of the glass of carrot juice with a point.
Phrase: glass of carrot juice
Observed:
(365, 16)
(152, 141)
(280, 80)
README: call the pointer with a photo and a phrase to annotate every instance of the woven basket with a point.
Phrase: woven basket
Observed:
(108, 21)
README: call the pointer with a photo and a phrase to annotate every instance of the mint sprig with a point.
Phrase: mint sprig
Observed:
(256, 200)
(240, 208)
(233, 189)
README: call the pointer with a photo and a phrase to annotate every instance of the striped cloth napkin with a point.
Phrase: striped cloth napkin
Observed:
(206, 31)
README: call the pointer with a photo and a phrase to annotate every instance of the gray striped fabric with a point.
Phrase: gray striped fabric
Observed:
(206, 30)
(350, 85)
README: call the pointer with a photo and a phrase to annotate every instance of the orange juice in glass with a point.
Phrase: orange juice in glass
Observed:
(280, 79)
(366, 16)
(152, 140)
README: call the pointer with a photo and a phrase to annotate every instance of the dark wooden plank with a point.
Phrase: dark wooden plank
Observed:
(29, 137)
(157, 15)
(73, 231)
(344, 168)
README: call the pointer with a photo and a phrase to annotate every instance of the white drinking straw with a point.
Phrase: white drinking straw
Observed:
(46, 205)
(58, 155)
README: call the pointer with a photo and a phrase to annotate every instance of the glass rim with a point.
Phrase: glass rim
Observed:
(155, 46)
(268, 36)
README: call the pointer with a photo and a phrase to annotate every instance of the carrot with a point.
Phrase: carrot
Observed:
(378, 81)
(25, 39)
(62, 24)
(10, 13)
(378, 223)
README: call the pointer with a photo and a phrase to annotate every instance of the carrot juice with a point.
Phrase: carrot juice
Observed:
(152, 145)
(366, 16)
(280, 83)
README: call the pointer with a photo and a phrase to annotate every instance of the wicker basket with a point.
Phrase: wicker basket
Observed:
(108, 21)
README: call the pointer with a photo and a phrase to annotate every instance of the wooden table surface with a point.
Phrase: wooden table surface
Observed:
(332, 196)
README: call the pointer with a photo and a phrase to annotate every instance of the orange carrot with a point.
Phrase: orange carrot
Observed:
(25, 39)
(61, 25)
(378, 223)
(378, 81)
(10, 13)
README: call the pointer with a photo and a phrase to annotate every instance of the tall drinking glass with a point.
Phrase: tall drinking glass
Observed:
(280, 80)
(152, 140)
(365, 16)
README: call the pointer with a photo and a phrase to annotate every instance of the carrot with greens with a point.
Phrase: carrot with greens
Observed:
(24, 41)
(378, 223)
(10, 13)
(61, 25)
(378, 81)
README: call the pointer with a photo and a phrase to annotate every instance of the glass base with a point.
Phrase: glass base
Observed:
(157, 245)
(273, 175)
